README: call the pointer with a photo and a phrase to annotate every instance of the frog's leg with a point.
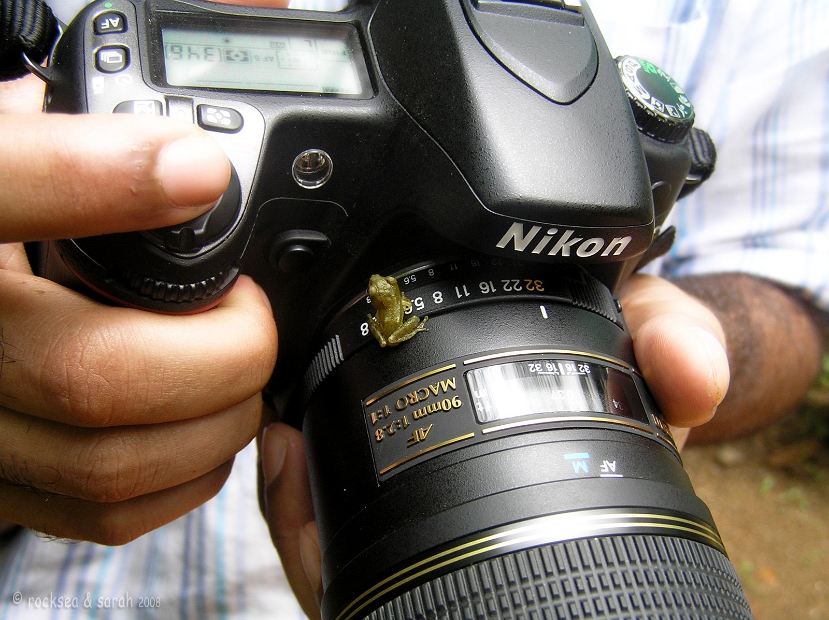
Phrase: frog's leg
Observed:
(374, 328)
(412, 326)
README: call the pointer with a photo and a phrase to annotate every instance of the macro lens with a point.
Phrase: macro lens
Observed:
(510, 465)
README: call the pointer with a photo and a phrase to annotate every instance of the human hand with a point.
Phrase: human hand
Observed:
(114, 421)
(680, 350)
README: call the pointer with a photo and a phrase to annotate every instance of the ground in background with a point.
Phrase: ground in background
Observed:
(769, 495)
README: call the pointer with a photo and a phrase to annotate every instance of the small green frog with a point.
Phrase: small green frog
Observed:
(387, 325)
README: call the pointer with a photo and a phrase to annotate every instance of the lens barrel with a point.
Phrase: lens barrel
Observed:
(508, 463)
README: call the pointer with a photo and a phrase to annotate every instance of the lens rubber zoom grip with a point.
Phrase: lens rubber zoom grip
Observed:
(612, 577)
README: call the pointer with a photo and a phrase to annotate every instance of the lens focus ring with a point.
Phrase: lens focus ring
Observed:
(609, 577)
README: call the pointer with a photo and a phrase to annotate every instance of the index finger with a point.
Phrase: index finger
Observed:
(67, 176)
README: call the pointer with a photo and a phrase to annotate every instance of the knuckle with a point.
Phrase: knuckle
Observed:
(109, 469)
(265, 345)
(20, 472)
(93, 375)
(257, 327)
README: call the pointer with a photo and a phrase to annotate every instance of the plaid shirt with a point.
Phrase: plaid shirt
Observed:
(759, 80)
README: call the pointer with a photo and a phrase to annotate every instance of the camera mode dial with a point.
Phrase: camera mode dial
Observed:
(661, 108)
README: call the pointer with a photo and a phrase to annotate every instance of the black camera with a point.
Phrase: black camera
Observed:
(504, 174)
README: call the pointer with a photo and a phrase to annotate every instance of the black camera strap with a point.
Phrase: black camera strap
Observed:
(703, 160)
(28, 30)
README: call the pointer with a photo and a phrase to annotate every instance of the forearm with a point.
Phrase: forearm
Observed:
(774, 344)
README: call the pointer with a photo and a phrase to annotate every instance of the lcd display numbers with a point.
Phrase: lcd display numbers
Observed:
(289, 57)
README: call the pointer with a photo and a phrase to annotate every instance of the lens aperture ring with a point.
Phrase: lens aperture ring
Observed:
(439, 287)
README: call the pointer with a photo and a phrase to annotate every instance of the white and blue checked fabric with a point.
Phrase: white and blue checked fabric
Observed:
(758, 76)
(217, 562)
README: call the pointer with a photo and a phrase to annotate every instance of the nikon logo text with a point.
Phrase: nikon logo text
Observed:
(566, 245)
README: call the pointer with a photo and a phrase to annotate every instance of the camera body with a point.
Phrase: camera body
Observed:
(495, 158)
(433, 145)
(423, 123)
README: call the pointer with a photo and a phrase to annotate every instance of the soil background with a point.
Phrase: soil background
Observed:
(769, 495)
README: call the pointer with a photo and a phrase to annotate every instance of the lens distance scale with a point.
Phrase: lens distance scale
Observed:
(473, 400)
(438, 287)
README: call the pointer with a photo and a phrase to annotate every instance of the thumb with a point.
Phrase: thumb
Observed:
(680, 349)
(73, 176)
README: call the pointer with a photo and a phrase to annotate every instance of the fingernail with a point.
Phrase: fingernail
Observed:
(193, 171)
(718, 378)
(274, 449)
(309, 554)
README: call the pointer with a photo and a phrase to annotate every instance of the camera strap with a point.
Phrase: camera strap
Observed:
(703, 160)
(28, 30)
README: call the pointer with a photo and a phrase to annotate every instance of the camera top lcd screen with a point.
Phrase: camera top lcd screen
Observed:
(284, 56)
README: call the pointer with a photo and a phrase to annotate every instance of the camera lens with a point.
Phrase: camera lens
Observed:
(508, 463)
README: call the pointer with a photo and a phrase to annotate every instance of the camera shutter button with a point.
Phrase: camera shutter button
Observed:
(209, 227)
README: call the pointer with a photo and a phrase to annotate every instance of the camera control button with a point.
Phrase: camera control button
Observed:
(112, 59)
(110, 22)
(181, 108)
(217, 118)
(296, 251)
(148, 107)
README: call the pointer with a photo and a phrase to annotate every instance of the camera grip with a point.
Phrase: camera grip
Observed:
(178, 269)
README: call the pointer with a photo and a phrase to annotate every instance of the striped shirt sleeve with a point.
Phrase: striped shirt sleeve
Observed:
(215, 562)
(758, 76)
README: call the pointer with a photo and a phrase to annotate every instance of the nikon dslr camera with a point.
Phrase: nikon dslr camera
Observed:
(440, 198)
